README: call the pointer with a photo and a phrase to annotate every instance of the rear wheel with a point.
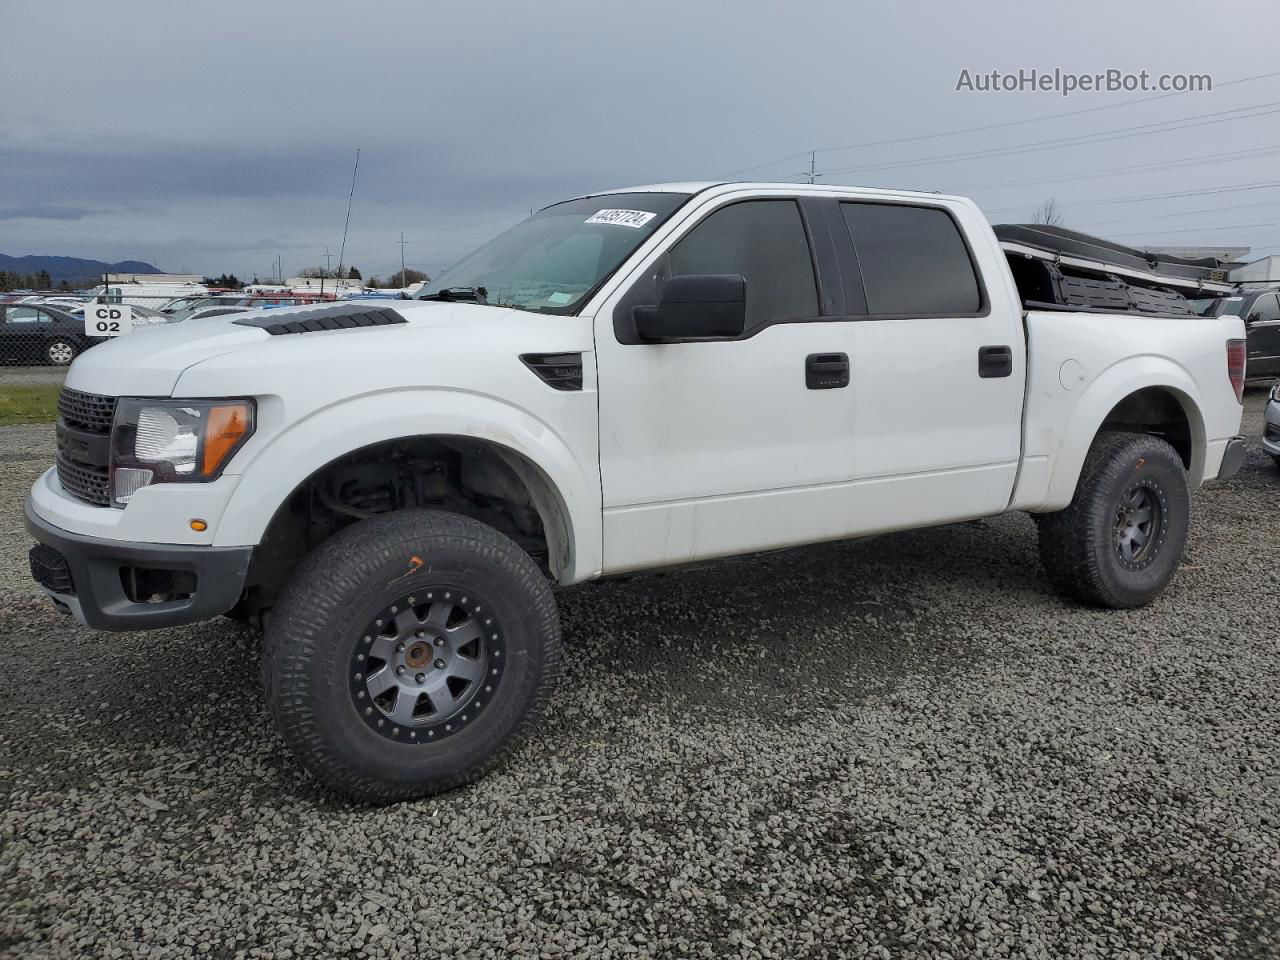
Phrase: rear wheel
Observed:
(60, 352)
(1119, 541)
(409, 653)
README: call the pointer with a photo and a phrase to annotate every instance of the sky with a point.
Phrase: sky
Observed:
(214, 137)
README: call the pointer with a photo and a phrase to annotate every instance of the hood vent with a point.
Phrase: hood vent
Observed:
(339, 316)
(560, 371)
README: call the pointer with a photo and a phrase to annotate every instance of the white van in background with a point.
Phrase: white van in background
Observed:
(148, 290)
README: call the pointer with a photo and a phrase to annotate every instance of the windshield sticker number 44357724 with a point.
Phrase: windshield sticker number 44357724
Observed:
(622, 218)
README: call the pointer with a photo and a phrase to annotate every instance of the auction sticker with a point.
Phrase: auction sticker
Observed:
(108, 319)
(622, 218)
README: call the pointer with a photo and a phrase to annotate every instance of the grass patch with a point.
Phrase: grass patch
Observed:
(37, 403)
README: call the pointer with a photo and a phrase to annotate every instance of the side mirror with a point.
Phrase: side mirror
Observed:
(696, 306)
(1253, 317)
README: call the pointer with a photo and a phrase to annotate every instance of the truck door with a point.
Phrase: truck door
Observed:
(720, 446)
(1263, 326)
(938, 366)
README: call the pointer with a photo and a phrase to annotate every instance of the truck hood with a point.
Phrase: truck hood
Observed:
(149, 361)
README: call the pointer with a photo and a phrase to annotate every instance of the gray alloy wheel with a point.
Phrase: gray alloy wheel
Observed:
(60, 352)
(425, 664)
(1139, 524)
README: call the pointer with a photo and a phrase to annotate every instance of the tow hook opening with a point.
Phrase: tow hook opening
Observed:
(152, 585)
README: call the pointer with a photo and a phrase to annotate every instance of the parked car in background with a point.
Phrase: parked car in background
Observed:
(181, 304)
(215, 311)
(142, 316)
(1271, 429)
(1261, 312)
(31, 333)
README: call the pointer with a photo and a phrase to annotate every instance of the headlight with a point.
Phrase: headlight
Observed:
(1275, 392)
(168, 441)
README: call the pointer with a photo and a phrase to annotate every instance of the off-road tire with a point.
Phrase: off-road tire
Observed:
(1079, 547)
(325, 611)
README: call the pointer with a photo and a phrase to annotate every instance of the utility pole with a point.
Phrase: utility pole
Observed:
(404, 281)
(328, 258)
(812, 173)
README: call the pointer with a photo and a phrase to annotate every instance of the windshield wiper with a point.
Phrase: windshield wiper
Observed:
(474, 294)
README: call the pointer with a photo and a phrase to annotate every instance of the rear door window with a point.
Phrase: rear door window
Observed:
(913, 259)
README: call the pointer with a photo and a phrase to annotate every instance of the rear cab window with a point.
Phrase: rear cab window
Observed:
(913, 260)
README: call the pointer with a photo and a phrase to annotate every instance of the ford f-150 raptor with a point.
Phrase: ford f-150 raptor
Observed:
(623, 382)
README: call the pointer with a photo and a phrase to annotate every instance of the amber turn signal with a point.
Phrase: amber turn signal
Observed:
(226, 426)
(199, 526)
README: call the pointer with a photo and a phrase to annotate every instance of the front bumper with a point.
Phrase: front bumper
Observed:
(89, 577)
(1271, 428)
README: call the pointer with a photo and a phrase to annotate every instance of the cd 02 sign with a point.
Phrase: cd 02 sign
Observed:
(107, 319)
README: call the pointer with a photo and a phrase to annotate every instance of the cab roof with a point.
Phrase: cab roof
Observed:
(699, 186)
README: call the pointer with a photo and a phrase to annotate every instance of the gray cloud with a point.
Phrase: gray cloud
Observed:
(43, 211)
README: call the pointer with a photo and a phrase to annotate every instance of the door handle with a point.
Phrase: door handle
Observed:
(995, 362)
(826, 371)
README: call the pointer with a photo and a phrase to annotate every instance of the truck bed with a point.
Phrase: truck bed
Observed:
(1057, 269)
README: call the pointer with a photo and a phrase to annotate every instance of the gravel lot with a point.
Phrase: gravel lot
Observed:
(902, 747)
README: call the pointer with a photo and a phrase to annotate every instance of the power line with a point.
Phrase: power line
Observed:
(1267, 185)
(1188, 213)
(1229, 156)
(1102, 136)
(1230, 226)
(998, 126)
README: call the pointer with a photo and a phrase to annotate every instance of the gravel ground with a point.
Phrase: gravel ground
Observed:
(902, 747)
(10, 376)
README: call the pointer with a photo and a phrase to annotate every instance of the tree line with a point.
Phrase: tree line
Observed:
(9, 280)
(395, 281)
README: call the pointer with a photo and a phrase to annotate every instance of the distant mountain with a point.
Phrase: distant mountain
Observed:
(72, 269)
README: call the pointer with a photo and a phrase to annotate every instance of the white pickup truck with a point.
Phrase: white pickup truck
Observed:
(623, 382)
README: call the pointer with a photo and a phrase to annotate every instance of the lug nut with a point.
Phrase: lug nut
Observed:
(420, 634)
(439, 664)
(439, 641)
(421, 678)
(399, 648)
(400, 669)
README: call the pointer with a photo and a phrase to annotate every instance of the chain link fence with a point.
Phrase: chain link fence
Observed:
(49, 329)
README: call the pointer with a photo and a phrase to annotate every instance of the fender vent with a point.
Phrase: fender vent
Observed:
(560, 371)
(340, 316)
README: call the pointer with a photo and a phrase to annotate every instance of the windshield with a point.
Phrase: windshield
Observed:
(556, 259)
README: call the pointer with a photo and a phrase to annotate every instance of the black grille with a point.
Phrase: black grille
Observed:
(92, 484)
(1273, 432)
(86, 411)
(84, 455)
(49, 569)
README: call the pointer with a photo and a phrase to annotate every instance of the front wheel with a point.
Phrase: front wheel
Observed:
(409, 653)
(1119, 541)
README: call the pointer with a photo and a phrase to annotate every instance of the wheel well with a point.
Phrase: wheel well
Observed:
(475, 478)
(1159, 412)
